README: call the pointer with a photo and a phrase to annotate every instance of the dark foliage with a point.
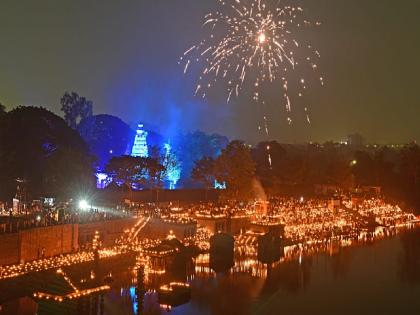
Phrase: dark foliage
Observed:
(107, 136)
(129, 170)
(38, 146)
(203, 172)
(395, 170)
(75, 108)
(194, 146)
(236, 168)
(2, 110)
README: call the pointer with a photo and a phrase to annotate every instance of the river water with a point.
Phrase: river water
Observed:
(380, 277)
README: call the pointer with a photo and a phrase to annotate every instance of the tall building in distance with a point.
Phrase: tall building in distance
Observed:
(356, 140)
(140, 148)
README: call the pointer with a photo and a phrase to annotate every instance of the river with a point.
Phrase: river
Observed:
(379, 277)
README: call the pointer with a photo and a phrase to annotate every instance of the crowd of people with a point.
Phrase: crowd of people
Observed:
(13, 221)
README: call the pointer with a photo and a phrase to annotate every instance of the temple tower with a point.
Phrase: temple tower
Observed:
(140, 143)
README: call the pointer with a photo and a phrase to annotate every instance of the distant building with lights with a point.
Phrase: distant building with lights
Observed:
(140, 148)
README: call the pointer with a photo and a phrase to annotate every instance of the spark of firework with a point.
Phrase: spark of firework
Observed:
(253, 39)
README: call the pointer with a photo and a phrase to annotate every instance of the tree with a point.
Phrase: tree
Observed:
(68, 173)
(410, 172)
(129, 170)
(107, 136)
(236, 168)
(363, 168)
(170, 162)
(156, 172)
(194, 146)
(203, 172)
(31, 139)
(2, 110)
(75, 108)
(384, 167)
(162, 164)
(272, 164)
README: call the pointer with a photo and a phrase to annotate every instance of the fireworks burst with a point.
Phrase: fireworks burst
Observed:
(253, 40)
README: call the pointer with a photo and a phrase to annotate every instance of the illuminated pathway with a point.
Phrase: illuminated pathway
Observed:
(73, 295)
(39, 265)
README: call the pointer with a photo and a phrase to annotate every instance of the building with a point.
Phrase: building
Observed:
(140, 148)
(355, 140)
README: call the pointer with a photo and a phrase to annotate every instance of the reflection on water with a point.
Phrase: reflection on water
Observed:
(409, 258)
(339, 277)
(341, 263)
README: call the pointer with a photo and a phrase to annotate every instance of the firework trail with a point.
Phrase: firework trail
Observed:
(267, 135)
(253, 41)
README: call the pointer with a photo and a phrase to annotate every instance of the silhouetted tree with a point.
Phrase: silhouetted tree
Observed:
(30, 140)
(75, 108)
(157, 170)
(236, 168)
(157, 173)
(129, 170)
(410, 172)
(363, 168)
(161, 164)
(194, 146)
(203, 172)
(2, 109)
(107, 136)
(68, 173)
(275, 166)
(384, 168)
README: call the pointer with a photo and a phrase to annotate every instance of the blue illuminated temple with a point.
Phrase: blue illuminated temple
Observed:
(140, 143)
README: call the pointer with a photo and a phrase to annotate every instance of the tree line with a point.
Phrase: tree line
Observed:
(297, 168)
(50, 154)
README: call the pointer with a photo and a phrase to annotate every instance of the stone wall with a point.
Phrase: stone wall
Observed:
(48, 241)
(9, 249)
(32, 244)
(36, 243)
(159, 229)
(109, 231)
(234, 225)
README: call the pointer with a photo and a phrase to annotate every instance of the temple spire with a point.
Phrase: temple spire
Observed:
(140, 148)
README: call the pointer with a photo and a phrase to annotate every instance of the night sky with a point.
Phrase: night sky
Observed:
(123, 55)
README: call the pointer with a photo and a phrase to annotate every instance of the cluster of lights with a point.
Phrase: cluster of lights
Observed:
(172, 285)
(70, 296)
(201, 239)
(17, 270)
(310, 224)
(140, 224)
(61, 261)
(178, 219)
(67, 279)
(77, 293)
(308, 220)
(384, 214)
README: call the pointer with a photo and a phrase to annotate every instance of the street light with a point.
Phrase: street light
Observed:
(83, 205)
